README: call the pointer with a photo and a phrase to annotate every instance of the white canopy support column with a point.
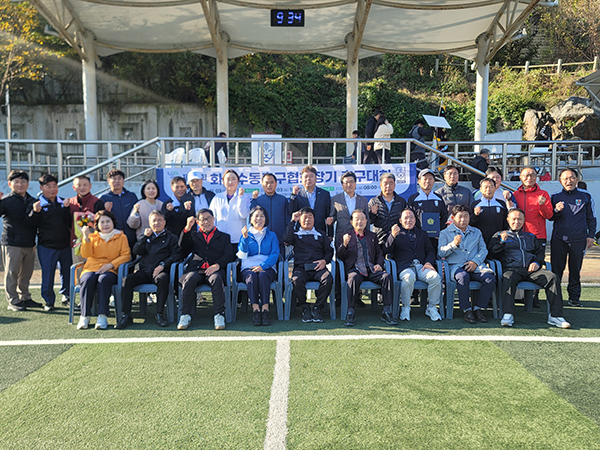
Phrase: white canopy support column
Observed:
(481, 94)
(223, 89)
(220, 41)
(353, 43)
(90, 101)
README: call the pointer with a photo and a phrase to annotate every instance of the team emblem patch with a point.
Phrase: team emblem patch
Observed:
(578, 202)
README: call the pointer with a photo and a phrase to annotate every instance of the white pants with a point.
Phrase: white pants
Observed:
(410, 275)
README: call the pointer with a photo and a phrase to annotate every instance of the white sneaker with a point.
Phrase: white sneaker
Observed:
(84, 323)
(219, 322)
(433, 313)
(101, 322)
(111, 301)
(507, 320)
(559, 322)
(184, 322)
(405, 313)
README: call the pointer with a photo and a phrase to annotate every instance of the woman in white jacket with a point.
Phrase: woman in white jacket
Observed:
(384, 130)
(231, 207)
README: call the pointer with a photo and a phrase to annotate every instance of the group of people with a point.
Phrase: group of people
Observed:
(207, 231)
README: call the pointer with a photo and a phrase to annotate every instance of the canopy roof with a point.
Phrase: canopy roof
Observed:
(591, 83)
(366, 27)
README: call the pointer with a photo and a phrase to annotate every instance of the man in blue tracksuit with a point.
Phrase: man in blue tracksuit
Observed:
(573, 232)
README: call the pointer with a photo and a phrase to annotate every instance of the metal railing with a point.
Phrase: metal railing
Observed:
(137, 158)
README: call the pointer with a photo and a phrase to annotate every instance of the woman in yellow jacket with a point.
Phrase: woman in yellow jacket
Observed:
(105, 250)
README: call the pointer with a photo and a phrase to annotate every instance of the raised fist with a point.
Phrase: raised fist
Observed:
(346, 240)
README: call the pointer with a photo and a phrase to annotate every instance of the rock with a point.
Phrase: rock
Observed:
(532, 123)
(574, 108)
(587, 128)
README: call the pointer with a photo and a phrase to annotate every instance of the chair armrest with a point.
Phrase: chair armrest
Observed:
(74, 272)
(341, 268)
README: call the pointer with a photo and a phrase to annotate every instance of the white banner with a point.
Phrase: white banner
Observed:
(328, 178)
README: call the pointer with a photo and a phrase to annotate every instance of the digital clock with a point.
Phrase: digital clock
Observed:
(287, 17)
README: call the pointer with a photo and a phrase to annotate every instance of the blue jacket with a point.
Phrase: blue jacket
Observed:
(278, 210)
(471, 248)
(121, 208)
(269, 246)
(577, 221)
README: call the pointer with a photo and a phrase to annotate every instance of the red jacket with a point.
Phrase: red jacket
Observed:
(535, 215)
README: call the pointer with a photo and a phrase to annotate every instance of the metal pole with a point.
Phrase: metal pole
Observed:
(310, 153)
(8, 156)
(553, 174)
(504, 158)
(261, 153)
(59, 165)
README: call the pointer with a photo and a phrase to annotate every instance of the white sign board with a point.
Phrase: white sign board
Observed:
(272, 149)
(436, 121)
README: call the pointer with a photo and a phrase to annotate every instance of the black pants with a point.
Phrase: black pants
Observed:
(189, 281)
(542, 277)
(162, 289)
(300, 277)
(559, 251)
(370, 157)
(355, 279)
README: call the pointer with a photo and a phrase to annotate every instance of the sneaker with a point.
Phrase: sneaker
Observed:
(433, 313)
(65, 300)
(49, 308)
(559, 322)
(19, 306)
(266, 317)
(574, 303)
(31, 304)
(507, 320)
(125, 321)
(111, 301)
(160, 320)
(77, 307)
(387, 318)
(219, 322)
(405, 313)
(184, 322)
(84, 323)
(306, 315)
(101, 322)
(256, 318)
(317, 317)
(350, 322)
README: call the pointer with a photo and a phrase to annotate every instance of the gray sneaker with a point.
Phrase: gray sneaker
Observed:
(184, 322)
(507, 320)
(559, 322)
(219, 322)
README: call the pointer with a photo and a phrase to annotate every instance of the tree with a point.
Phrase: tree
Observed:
(23, 45)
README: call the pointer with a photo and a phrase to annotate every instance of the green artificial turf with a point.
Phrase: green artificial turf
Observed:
(426, 395)
(569, 369)
(36, 324)
(174, 395)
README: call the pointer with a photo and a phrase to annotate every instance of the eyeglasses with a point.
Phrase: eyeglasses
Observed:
(568, 178)
(205, 219)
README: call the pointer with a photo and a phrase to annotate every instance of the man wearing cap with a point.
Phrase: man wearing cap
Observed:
(429, 208)
(481, 163)
(201, 195)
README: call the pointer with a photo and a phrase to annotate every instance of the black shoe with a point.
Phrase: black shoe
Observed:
(160, 320)
(387, 318)
(479, 316)
(469, 316)
(125, 321)
(256, 318)
(19, 306)
(31, 304)
(266, 317)
(77, 307)
(575, 303)
(350, 322)
(360, 303)
(316, 315)
(307, 316)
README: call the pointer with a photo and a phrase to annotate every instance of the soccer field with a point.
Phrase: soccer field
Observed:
(296, 386)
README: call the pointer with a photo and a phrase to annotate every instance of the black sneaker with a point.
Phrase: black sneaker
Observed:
(307, 316)
(160, 320)
(316, 315)
(19, 306)
(575, 303)
(31, 304)
(350, 322)
(387, 318)
(256, 318)
(266, 318)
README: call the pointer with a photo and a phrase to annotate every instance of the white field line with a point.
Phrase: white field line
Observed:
(277, 422)
(14, 343)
